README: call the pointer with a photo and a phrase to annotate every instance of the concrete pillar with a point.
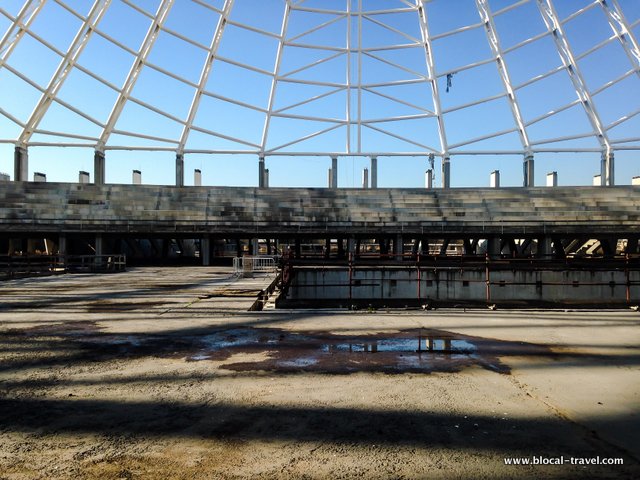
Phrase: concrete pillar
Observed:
(261, 172)
(197, 178)
(136, 177)
(39, 177)
(205, 250)
(98, 168)
(84, 177)
(494, 180)
(99, 244)
(374, 172)
(552, 179)
(398, 246)
(62, 244)
(365, 178)
(635, 181)
(446, 173)
(545, 247)
(329, 178)
(351, 245)
(607, 169)
(528, 171)
(428, 179)
(597, 180)
(334, 172)
(493, 247)
(21, 164)
(266, 178)
(255, 246)
(179, 170)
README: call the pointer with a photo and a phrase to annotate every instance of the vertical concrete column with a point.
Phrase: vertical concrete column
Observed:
(62, 244)
(179, 170)
(607, 169)
(266, 178)
(494, 181)
(255, 246)
(197, 177)
(493, 247)
(84, 177)
(205, 250)
(527, 171)
(428, 179)
(261, 172)
(329, 178)
(365, 178)
(136, 177)
(351, 245)
(334, 172)
(446, 173)
(398, 246)
(21, 164)
(552, 179)
(545, 247)
(98, 168)
(340, 247)
(99, 244)
(374, 172)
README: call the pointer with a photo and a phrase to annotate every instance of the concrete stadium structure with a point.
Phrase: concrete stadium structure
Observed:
(391, 225)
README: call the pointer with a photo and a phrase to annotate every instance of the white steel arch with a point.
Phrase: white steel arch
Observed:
(134, 72)
(385, 104)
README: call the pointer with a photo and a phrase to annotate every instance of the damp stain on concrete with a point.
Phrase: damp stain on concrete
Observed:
(418, 350)
(249, 349)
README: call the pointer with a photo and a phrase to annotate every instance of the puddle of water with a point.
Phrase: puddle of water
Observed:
(418, 350)
(248, 349)
(407, 345)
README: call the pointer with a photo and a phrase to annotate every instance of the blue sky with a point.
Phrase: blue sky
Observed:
(127, 26)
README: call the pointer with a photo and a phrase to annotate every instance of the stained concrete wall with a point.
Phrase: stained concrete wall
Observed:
(457, 286)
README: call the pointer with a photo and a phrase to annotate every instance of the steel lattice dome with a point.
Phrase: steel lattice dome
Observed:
(470, 80)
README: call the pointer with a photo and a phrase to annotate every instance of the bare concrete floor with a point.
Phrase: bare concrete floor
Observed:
(159, 373)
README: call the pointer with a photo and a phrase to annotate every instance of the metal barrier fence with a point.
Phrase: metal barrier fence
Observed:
(246, 266)
(12, 266)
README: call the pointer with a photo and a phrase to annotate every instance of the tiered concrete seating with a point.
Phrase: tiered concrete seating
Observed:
(89, 207)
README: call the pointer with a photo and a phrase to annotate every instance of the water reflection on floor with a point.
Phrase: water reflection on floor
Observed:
(417, 350)
(249, 349)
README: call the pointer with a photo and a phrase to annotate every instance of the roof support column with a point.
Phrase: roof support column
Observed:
(21, 164)
(334, 172)
(99, 167)
(261, 173)
(374, 172)
(528, 172)
(607, 170)
(179, 170)
(446, 173)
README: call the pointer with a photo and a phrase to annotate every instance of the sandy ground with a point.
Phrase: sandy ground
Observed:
(160, 373)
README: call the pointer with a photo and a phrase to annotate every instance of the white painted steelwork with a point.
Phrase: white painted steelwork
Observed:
(355, 123)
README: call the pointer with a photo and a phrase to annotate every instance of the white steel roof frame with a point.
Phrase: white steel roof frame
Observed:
(621, 28)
